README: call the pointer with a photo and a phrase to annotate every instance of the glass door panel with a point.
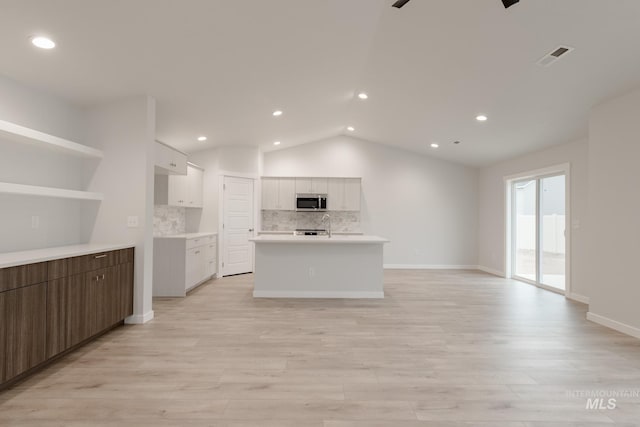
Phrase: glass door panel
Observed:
(525, 229)
(552, 231)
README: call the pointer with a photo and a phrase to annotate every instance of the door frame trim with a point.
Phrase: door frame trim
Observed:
(559, 169)
(221, 176)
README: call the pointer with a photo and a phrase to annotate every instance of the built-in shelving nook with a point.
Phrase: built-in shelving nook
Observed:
(20, 134)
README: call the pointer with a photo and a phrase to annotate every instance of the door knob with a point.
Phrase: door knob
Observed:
(251, 230)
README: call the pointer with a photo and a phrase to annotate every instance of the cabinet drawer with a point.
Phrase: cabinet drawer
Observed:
(81, 264)
(199, 241)
(23, 275)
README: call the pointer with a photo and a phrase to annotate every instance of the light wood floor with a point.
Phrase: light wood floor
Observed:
(442, 349)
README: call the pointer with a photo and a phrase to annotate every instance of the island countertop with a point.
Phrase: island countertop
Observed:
(334, 239)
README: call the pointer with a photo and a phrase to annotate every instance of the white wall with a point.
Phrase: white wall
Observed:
(125, 131)
(26, 164)
(491, 211)
(425, 206)
(243, 160)
(614, 200)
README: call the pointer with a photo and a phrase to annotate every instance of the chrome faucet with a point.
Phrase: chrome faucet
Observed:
(327, 216)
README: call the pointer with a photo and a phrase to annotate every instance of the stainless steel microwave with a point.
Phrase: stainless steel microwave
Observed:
(311, 202)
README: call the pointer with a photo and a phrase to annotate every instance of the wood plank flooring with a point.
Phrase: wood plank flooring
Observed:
(444, 348)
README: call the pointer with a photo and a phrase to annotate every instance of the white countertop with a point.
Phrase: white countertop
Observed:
(336, 233)
(11, 259)
(186, 235)
(334, 239)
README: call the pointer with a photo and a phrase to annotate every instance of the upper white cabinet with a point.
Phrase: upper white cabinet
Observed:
(195, 183)
(344, 194)
(312, 185)
(181, 190)
(278, 194)
(169, 161)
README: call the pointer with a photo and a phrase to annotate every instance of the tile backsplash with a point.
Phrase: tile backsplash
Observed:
(168, 220)
(341, 222)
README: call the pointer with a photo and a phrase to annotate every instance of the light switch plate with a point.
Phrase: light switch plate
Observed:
(132, 221)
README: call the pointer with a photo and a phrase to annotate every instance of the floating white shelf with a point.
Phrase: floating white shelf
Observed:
(23, 134)
(60, 193)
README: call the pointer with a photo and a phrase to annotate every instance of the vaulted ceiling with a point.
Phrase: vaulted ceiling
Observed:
(220, 68)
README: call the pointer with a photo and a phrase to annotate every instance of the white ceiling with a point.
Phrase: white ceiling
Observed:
(219, 68)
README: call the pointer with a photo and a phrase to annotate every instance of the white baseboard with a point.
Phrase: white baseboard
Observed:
(303, 294)
(614, 324)
(428, 267)
(491, 271)
(139, 319)
(578, 297)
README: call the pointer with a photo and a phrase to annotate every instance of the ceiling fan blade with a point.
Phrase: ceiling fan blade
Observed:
(400, 3)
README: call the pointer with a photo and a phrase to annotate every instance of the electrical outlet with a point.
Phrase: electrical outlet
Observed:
(312, 271)
(35, 222)
(132, 222)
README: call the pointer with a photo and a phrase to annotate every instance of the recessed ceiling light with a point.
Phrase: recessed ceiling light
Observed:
(434, 145)
(276, 143)
(481, 118)
(43, 42)
(202, 138)
(277, 113)
(363, 95)
(350, 128)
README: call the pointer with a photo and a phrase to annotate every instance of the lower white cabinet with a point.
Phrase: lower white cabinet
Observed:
(180, 263)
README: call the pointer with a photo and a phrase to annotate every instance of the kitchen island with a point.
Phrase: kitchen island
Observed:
(340, 266)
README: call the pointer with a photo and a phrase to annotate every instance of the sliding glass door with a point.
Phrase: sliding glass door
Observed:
(524, 220)
(538, 218)
(552, 231)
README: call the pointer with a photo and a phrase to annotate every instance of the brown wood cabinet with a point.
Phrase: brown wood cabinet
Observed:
(96, 295)
(68, 315)
(49, 307)
(22, 321)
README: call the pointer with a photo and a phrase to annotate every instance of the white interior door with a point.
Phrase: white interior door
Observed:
(237, 226)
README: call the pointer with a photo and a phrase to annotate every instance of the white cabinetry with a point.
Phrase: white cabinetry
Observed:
(180, 263)
(312, 185)
(181, 190)
(278, 194)
(344, 194)
(212, 257)
(195, 179)
(169, 161)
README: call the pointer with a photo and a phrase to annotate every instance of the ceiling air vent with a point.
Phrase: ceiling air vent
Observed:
(554, 55)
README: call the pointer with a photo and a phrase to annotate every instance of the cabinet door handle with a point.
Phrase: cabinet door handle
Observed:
(97, 278)
(103, 277)
(100, 256)
(197, 252)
